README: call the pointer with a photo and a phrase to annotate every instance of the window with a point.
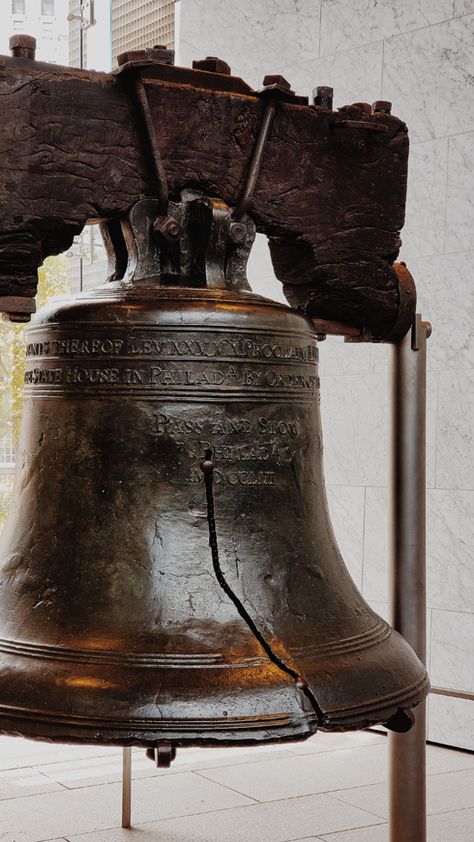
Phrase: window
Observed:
(7, 452)
(18, 7)
(47, 7)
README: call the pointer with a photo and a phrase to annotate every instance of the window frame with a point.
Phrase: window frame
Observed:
(45, 4)
(16, 11)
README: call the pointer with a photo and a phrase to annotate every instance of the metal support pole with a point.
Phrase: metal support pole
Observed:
(407, 752)
(127, 787)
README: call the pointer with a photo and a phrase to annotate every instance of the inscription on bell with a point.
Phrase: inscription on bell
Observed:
(245, 378)
(234, 477)
(238, 348)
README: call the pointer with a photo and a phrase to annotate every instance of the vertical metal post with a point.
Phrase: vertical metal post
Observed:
(407, 752)
(127, 787)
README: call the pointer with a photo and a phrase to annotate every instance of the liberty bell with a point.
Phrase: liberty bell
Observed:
(169, 573)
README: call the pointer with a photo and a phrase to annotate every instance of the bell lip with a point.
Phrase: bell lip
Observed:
(212, 732)
(363, 717)
(63, 728)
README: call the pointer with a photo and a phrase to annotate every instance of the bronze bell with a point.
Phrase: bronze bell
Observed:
(169, 570)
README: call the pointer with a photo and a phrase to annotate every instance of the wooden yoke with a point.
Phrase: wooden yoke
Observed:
(327, 188)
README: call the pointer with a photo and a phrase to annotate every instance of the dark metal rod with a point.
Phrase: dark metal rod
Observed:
(256, 159)
(127, 787)
(159, 170)
(407, 752)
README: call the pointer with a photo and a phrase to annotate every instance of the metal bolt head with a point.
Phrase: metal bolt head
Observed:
(158, 54)
(23, 46)
(323, 96)
(275, 79)
(213, 65)
(167, 227)
(383, 106)
(237, 232)
(365, 107)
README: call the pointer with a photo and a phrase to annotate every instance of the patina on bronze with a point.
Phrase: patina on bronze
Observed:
(170, 574)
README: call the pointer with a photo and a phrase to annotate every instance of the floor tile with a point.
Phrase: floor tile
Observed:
(305, 774)
(333, 742)
(98, 807)
(440, 759)
(16, 752)
(19, 783)
(108, 769)
(325, 772)
(280, 821)
(455, 826)
(445, 792)
(378, 833)
(7, 836)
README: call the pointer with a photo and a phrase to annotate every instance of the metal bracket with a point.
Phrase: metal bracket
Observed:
(198, 244)
(133, 69)
(360, 124)
(402, 325)
(221, 245)
(276, 89)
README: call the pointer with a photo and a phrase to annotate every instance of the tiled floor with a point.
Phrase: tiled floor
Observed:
(331, 788)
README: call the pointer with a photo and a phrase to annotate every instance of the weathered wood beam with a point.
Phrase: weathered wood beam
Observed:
(330, 195)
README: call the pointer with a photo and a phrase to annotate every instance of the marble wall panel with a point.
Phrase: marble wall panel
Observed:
(460, 193)
(452, 643)
(463, 7)
(450, 549)
(455, 430)
(336, 356)
(260, 271)
(355, 429)
(255, 39)
(346, 507)
(425, 222)
(345, 25)
(446, 298)
(451, 721)
(355, 75)
(376, 546)
(428, 74)
(381, 608)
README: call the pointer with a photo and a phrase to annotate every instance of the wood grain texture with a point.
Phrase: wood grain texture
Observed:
(330, 197)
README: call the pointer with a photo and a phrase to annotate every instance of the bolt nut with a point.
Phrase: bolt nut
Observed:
(275, 79)
(323, 96)
(23, 46)
(365, 107)
(383, 106)
(213, 65)
(237, 232)
(158, 54)
(167, 227)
